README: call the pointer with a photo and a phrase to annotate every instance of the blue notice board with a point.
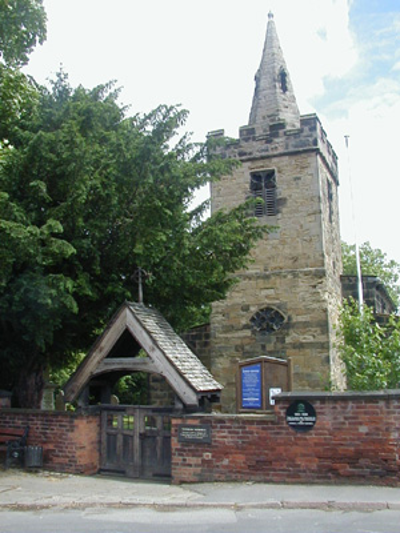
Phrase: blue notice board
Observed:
(251, 386)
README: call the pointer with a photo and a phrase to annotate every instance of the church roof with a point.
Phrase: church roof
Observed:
(167, 355)
(274, 100)
(174, 348)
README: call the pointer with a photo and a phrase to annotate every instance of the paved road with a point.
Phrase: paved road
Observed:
(208, 520)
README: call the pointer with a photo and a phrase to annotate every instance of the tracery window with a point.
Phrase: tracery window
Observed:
(267, 320)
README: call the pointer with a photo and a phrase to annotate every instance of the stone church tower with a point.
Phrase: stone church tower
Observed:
(286, 303)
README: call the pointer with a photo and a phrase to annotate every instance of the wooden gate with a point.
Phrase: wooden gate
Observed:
(136, 441)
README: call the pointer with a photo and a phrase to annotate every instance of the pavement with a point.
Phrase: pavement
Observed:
(22, 490)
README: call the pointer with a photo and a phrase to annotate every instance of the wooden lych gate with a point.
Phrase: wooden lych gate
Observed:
(135, 440)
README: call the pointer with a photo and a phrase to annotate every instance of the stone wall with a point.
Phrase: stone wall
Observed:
(70, 441)
(308, 137)
(160, 392)
(198, 340)
(5, 399)
(332, 250)
(355, 438)
(375, 294)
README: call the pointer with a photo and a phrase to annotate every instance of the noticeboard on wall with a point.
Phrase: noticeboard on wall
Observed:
(251, 386)
(259, 380)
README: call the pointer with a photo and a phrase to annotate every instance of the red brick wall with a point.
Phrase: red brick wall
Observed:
(355, 438)
(71, 442)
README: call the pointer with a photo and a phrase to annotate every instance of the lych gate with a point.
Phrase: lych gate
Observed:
(135, 440)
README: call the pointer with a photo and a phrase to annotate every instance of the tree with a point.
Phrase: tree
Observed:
(87, 196)
(17, 96)
(22, 26)
(374, 262)
(370, 351)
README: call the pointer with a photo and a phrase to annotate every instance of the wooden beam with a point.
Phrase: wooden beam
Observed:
(126, 364)
(99, 351)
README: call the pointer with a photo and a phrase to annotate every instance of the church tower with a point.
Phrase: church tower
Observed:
(286, 303)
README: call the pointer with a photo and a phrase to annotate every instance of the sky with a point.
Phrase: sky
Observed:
(343, 57)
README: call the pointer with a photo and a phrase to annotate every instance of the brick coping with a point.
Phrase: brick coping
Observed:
(52, 412)
(332, 396)
(268, 417)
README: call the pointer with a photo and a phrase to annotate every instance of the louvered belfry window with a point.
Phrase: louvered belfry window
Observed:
(263, 185)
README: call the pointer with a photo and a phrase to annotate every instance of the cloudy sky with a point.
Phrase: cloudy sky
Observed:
(343, 57)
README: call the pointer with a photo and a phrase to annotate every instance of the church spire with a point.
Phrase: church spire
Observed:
(274, 100)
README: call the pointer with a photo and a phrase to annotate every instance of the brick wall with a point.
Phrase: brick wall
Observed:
(355, 438)
(71, 442)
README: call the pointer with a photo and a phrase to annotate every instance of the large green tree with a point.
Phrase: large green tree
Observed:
(88, 195)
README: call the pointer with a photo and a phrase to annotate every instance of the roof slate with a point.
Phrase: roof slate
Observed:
(174, 349)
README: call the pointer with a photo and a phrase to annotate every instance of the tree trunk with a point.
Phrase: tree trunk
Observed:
(29, 390)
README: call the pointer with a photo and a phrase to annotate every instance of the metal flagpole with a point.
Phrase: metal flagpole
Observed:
(360, 291)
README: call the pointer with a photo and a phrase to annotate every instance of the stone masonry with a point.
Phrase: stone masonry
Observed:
(296, 268)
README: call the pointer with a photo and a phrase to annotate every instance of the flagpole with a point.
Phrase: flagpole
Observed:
(360, 292)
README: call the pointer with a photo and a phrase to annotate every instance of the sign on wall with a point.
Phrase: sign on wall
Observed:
(251, 386)
(273, 391)
(301, 416)
(194, 433)
(258, 380)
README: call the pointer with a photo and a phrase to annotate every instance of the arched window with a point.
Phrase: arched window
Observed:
(267, 320)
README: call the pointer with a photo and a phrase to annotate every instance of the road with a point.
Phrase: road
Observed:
(207, 520)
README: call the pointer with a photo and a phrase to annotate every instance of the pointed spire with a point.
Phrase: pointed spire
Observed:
(274, 100)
